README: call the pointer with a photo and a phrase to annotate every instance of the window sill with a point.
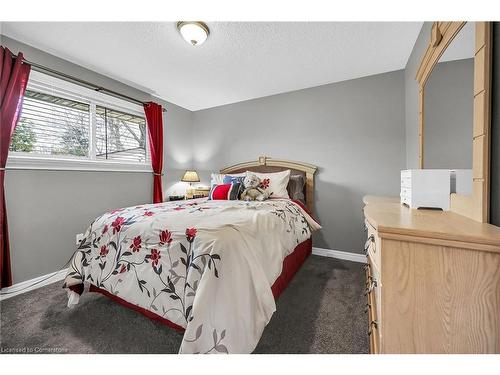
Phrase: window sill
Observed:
(59, 164)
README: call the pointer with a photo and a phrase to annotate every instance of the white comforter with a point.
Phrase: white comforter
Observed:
(207, 266)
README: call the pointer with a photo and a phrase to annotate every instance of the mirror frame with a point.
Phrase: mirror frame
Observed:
(475, 206)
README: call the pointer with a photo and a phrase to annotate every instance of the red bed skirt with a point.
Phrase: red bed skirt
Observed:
(291, 265)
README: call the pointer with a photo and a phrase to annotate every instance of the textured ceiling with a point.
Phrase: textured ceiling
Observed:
(239, 60)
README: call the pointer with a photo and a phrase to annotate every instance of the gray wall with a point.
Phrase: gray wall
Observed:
(449, 102)
(47, 208)
(352, 130)
(411, 96)
(495, 129)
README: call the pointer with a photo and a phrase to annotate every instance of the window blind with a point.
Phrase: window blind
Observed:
(51, 125)
(63, 121)
(120, 135)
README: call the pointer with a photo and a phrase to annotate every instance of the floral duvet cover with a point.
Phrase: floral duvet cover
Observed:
(207, 266)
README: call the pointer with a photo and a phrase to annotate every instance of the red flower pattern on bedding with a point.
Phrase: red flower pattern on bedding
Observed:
(190, 234)
(104, 251)
(117, 224)
(136, 244)
(165, 237)
(155, 257)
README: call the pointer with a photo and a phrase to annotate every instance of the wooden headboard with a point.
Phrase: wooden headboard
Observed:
(265, 164)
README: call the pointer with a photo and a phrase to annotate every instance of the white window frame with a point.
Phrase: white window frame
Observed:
(55, 86)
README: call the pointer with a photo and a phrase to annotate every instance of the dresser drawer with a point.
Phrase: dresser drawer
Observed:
(405, 192)
(406, 181)
(406, 173)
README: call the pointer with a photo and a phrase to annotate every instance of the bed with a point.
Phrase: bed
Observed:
(211, 269)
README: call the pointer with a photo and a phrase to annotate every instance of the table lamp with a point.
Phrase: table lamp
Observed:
(190, 176)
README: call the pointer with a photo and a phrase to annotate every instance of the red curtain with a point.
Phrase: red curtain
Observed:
(14, 76)
(154, 117)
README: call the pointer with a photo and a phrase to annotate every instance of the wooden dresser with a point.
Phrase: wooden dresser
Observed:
(433, 280)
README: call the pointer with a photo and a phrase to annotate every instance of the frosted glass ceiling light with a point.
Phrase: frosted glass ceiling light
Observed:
(193, 32)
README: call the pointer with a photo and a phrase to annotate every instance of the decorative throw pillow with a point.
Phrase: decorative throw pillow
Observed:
(218, 178)
(225, 192)
(274, 183)
(232, 179)
(229, 179)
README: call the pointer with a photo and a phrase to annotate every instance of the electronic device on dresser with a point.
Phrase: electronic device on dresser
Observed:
(426, 188)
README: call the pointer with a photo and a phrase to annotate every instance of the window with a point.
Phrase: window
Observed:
(66, 126)
(120, 136)
(51, 125)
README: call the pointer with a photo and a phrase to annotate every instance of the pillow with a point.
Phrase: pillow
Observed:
(218, 178)
(231, 179)
(296, 187)
(274, 183)
(225, 192)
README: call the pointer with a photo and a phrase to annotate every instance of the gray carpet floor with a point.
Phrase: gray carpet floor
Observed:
(321, 311)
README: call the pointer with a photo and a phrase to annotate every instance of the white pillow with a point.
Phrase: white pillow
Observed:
(276, 183)
(218, 178)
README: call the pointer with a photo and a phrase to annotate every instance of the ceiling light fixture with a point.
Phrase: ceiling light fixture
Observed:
(193, 32)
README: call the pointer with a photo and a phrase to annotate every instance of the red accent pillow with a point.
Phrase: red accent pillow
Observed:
(220, 192)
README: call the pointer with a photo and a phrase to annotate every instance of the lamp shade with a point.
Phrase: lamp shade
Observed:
(190, 176)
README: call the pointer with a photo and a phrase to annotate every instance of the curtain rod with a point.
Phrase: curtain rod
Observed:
(82, 82)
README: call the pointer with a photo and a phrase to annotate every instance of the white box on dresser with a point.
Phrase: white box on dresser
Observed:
(461, 181)
(426, 188)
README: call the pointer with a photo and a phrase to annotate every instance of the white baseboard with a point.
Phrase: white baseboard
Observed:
(28, 285)
(345, 255)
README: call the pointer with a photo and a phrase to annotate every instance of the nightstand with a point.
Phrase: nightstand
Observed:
(201, 192)
(176, 197)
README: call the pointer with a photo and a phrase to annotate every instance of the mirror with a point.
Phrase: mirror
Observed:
(449, 110)
(474, 201)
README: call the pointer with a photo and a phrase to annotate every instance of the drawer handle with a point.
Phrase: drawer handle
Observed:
(368, 241)
(367, 307)
(369, 289)
(373, 324)
(369, 279)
